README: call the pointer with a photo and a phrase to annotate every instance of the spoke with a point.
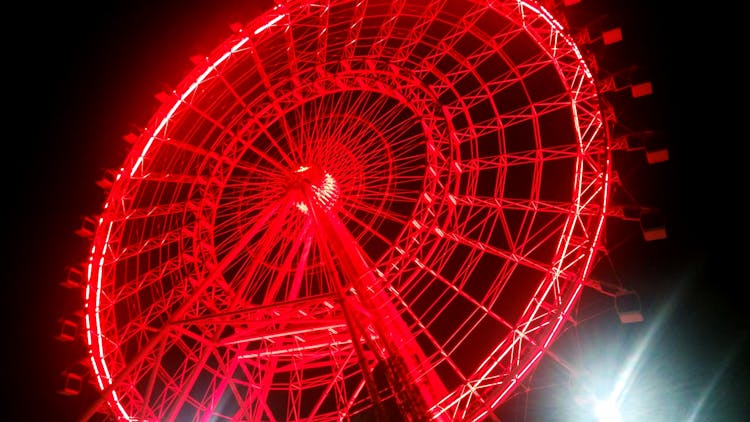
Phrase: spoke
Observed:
(160, 178)
(147, 245)
(270, 90)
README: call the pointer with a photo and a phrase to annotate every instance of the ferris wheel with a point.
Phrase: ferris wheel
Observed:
(349, 210)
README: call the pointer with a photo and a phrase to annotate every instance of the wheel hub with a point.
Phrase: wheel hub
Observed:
(312, 183)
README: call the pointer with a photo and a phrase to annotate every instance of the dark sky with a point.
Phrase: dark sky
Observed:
(81, 77)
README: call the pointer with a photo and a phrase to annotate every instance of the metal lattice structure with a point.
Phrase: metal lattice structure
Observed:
(351, 207)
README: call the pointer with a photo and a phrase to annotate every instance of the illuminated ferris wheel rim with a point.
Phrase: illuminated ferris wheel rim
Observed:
(592, 152)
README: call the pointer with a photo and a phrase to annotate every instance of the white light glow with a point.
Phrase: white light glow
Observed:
(607, 411)
(269, 24)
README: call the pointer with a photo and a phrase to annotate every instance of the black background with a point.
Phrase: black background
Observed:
(77, 78)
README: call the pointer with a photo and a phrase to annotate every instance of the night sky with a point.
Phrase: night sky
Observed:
(80, 78)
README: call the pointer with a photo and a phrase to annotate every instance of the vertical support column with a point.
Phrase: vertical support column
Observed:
(416, 386)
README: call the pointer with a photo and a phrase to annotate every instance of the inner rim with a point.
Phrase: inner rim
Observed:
(368, 154)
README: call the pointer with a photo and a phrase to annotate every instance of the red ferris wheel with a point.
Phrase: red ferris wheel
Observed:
(351, 209)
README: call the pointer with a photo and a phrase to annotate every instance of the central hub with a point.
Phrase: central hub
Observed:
(312, 183)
